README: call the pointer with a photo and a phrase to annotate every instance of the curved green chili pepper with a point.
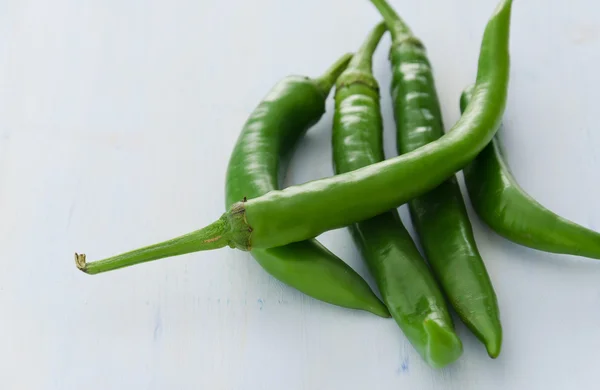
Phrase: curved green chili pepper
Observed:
(439, 216)
(407, 286)
(512, 213)
(292, 106)
(304, 211)
(288, 111)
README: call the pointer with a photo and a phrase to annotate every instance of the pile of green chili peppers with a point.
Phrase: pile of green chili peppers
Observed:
(278, 226)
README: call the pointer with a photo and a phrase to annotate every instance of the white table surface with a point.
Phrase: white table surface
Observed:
(116, 123)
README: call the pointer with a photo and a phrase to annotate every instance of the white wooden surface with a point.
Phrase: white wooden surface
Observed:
(116, 123)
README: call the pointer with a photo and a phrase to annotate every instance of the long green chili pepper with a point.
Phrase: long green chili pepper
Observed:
(439, 216)
(304, 211)
(407, 286)
(512, 213)
(288, 111)
(292, 106)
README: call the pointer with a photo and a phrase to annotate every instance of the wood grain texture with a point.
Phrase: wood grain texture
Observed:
(116, 124)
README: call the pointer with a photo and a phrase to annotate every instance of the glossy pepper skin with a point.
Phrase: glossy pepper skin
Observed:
(439, 216)
(286, 113)
(406, 284)
(304, 211)
(512, 213)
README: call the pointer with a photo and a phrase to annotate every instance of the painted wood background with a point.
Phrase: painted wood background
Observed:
(116, 123)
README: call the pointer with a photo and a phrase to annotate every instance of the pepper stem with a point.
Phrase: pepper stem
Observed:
(213, 236)
(328, 79)
(363, 58)
(398, 27)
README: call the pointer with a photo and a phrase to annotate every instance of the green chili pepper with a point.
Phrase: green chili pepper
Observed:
(512, 213)
(407, 286)
(291, 107)
(439, 216)
(287, 112)
(304, 211)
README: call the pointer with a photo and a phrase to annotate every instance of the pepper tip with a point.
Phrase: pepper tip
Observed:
(493, 348)
(443, 344)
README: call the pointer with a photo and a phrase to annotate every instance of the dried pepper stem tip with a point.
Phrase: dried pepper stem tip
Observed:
(80, 262)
